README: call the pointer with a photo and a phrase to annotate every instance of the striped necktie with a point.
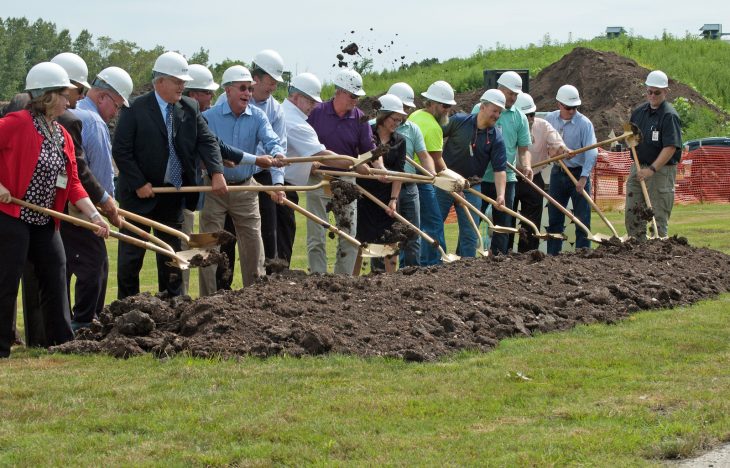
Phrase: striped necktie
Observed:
(173, 174)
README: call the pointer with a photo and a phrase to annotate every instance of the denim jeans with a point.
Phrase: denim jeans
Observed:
(500, 242)
(468, 239)
(432, 223)
(562, 189)
(409, 208)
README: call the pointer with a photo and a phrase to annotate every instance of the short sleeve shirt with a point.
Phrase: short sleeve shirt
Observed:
(433, 135)
(659, 128)
(469, 150)
(349, 135)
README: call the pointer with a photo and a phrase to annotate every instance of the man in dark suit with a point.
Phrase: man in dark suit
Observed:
(145, 159)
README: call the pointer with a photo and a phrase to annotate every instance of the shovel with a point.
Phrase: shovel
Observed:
(406, 178)
(535, 230)
(592, 203)
(480, 249)
(629, 132)
(446, 257)
(180, 260)
(600, 238)
(632, 143)
(447, 180)
(243, 188)
(368, 250)
(201, 240)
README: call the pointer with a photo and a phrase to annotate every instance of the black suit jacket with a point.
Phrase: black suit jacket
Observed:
(140, 150)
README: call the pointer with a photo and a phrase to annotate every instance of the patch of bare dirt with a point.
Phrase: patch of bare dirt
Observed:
(417, 314)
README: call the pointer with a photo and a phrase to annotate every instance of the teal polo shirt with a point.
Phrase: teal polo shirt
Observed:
(515, 132)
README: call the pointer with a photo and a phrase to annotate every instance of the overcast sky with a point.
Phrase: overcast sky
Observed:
(309, 33)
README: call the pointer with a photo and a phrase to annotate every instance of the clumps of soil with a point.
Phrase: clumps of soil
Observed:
(224, 237)
(213, 257)
(275, 265)
(643, 213)
(417, 314)
(381, 150)
(351, 49)
(398, 233)
(474, 180)
(343, 193)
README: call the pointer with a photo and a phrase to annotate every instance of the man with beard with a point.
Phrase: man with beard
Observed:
(435, 114)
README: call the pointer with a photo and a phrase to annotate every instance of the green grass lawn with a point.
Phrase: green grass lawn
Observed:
(654, 386)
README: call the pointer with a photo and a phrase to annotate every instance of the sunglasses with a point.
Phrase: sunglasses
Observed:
(446, 106)
(353, 96)
(658, 92)
(243, 88)
(569, 108)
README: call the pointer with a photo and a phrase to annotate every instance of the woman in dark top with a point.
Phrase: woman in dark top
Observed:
(372, 220)
(37, 164)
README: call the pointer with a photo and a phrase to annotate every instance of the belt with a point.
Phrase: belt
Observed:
(241, 182)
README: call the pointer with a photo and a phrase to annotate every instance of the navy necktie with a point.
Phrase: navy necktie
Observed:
(173, 174)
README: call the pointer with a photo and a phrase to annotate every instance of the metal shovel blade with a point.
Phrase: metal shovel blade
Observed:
(502, 229)
(379, 250)
(449, 258)
(205, 240)
(450, 181)
(192, 258)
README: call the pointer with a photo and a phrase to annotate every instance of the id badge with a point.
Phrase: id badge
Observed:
(655, 135)
(62, 181)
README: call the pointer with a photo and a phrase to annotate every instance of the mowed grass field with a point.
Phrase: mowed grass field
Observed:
(652, 387)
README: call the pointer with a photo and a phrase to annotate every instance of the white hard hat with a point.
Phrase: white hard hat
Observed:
(236, 73)
(440, 91)
(74, 66)
(350, 81)
(46, 76)
(118, 80)
(271, 62)
(525, 103)
(657, 79)
(568, 95)
(202, 78)
(172, 64)
(495, 96)
(391, 103)
(308, 84)
(511, 80)
(404, 92)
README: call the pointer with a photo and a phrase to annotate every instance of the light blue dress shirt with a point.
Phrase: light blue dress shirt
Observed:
(245, 132)
(275, 114)
(577, 133)
(97, 144)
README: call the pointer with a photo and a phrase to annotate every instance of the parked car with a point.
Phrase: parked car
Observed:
(692, 145)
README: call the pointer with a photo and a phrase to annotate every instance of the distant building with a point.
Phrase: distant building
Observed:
(615, 31)
(712, 31)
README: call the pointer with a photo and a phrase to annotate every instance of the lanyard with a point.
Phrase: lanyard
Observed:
(50, 135)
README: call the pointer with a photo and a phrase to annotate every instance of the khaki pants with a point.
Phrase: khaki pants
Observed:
(244, 210)
(661, 193)
(187, 228)
(316, 234)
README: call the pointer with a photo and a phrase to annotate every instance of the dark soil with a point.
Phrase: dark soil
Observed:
(343, 193)
(213, 257)
(224, 237)
(643, 213)
(398, 233)
(417, 314)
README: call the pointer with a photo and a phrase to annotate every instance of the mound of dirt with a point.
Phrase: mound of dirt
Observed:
(417, 314)
(610, 86)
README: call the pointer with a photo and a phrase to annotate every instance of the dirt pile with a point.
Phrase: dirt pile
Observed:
(610, 86)
(416, 314)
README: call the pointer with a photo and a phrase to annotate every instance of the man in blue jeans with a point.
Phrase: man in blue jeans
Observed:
(577, 132)
(472, 144)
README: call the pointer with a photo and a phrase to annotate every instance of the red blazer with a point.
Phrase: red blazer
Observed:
(20, 147)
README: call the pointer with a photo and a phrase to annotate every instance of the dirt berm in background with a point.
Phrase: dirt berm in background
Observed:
(417, 314)
(610, 87)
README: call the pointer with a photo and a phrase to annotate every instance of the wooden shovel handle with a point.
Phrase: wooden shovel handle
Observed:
(509, 211)
(570, 153)
(94, 227)
(240, 188)
(154, 224)
(644, 190)
(328, 157)
(321, 222)
(146, 235)
(589, 199)
(554, 202)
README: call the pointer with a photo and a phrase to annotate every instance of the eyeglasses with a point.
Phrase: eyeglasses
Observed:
(244, 88)
(117, 106)
(65, 95)
(446, 106)
(353, 96)
(658, 92)
(397, 120)
(569, 108)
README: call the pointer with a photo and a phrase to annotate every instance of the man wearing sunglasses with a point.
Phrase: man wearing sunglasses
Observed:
(659, 152)
(577, 132)
(342, 128)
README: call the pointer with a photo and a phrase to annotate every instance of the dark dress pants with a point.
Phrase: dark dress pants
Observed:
(87, 259)
(267, 208)
(286, 228)
(531, 206)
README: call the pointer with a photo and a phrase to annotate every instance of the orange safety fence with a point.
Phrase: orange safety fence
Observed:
(703, 176)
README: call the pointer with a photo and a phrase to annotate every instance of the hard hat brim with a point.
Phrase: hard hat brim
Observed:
(450, 102)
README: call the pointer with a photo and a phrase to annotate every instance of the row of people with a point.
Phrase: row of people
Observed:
(172, 136)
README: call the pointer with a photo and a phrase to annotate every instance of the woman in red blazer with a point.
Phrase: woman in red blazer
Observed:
(37, 164)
